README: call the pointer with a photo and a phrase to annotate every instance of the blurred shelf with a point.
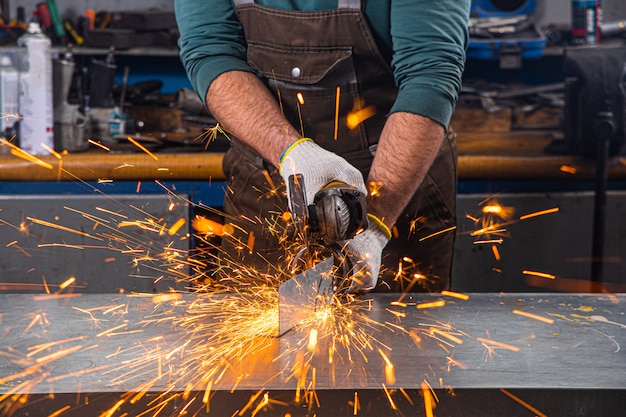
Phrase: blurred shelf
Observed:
(85, 50)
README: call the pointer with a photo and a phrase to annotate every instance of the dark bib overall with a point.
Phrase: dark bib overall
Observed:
(331, 58)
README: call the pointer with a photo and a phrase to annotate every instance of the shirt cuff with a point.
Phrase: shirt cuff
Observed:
(426, 101)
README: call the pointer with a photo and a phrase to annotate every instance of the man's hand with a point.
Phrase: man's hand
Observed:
(318, 168)
(364, 253)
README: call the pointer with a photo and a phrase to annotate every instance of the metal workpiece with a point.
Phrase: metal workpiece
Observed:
(107, 244)
(193, 354)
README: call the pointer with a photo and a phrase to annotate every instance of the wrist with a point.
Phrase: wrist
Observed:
(290, 148)
(380, 224)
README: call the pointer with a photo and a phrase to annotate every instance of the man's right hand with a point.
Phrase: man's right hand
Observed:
(318, 168)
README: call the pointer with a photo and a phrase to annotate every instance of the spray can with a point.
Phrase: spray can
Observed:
(69, 120)
(586, 21)
(8, 94)
(35, 91)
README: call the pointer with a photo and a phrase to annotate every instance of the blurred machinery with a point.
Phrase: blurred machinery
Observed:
(594, 123)
(502, 8)
(504, 30)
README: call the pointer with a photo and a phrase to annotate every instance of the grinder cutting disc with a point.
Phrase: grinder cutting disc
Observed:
(302, 295)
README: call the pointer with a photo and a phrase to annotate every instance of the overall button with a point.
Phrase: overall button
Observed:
(295, 72)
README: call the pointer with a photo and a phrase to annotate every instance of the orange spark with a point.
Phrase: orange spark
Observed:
(496, 252)
(533, 316)
(374, 188)
(312, 340)
(270, 182)
(494, 343)
(416, 338)
(438, 233)
(355, 118)
(356, 405)
(337, 100)
(20, 153)
(429, 404)
(453, 361)
(250, 402)
(493, 209)
(66, 229)
(568, 169)
(261, 404)
(207, 226)
(60, 411)
(176, 226)
(472, 218)
(98, 144)
(492, 229)
(112, 213)
(432, 304)
(539, 274)
(498, 210)
(251, 239)
(300, 98)
(111, 330)
(406, 395)
(539, 213)
(207, 393)
(447, 335)
(113, 409)
(67, 283)
(54, 296)
(398, 304)
(455, 295)
(523, 403)
(492, 241)
(391, 402)
(168, 297)
(390, 376)
(45, 285)
(143, 148)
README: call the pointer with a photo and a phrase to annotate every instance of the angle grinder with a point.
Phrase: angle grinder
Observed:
(337, 213)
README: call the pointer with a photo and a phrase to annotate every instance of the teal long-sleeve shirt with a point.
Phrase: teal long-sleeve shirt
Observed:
(424, 42)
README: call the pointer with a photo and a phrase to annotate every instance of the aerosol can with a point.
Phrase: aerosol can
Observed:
(69, 120)
(35, 91)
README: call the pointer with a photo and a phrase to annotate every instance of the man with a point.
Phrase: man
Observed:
(337, 90)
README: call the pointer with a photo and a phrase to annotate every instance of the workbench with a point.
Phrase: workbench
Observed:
(488, 355)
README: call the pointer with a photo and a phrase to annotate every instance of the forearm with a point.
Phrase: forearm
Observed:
(406, 150)
(245, 108)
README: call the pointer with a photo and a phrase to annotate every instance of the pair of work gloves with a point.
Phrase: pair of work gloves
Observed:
(320, 167)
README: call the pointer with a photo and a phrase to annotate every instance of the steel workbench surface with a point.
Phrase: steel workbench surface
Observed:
(176, 354)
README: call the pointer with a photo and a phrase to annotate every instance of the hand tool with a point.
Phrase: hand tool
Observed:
(337, 213)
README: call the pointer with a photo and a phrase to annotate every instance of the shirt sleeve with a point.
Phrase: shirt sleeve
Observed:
(211, 41)
(429, 39)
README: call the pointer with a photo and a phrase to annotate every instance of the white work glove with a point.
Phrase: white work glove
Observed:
(364, 253)
(318, 168)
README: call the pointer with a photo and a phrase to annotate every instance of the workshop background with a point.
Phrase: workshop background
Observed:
(518, 149)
